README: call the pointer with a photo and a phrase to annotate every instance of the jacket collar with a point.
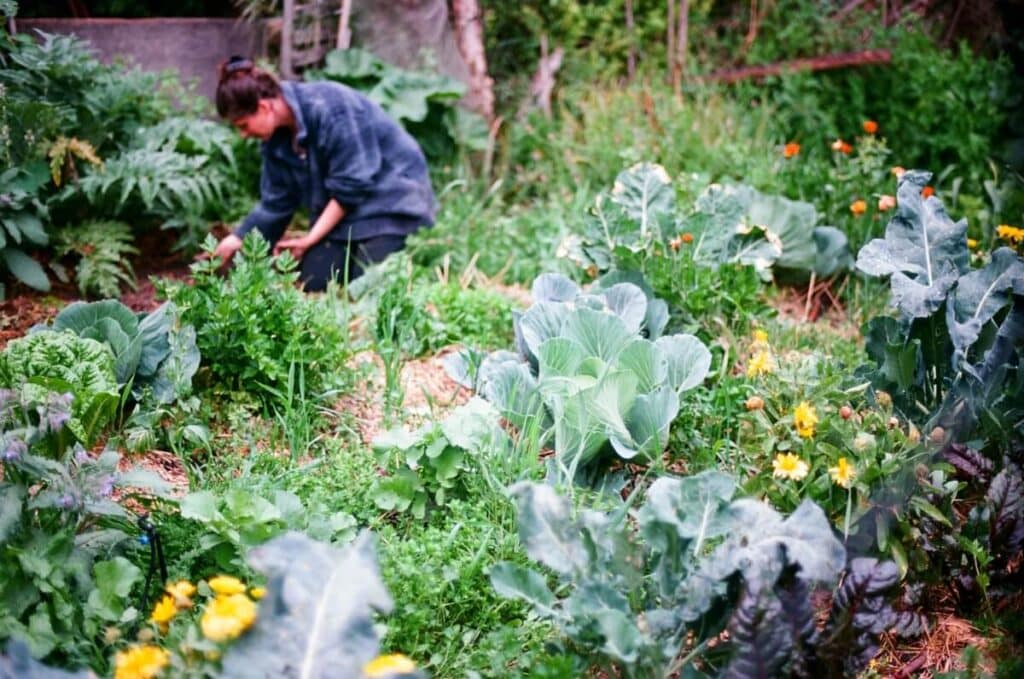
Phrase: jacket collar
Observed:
(289, 91)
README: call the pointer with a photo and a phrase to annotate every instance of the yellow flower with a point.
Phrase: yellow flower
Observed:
(858, 207)
(804, 419)
(760, 337)
(1010, 233)
(886, 202)
(789, 466)
(164, 611)
(843, 473)
(384, 665)
(760, 364)
(182, 589)
(258, 593)
(227, 616)
(225, 584)
(972, 243)
(140, 662)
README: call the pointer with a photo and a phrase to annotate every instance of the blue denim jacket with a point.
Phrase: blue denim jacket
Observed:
(349, 150)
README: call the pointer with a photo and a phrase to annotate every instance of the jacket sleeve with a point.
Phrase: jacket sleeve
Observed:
(274, 211)
(353, 157)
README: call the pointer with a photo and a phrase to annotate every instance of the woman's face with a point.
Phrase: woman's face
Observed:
(260, 124)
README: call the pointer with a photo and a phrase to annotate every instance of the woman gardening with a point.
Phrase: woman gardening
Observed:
(331, 150)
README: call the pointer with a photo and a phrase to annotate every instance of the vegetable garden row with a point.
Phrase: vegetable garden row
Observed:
(635, 465)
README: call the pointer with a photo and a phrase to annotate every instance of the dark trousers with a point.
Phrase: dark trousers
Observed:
(344, 260)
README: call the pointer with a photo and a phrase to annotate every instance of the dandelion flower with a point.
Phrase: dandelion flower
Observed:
(789, 466)
(760, 337)
(843, 473)
(760, 363)
(858, 207)
(181, 589)
(927, 192)
(1009, 233)
(140, 662)
(790, 149)
(886, 202)
(870, 126)
(227, 616)
(805, 417)
(164, 612)
(386, 665)
(226, 584)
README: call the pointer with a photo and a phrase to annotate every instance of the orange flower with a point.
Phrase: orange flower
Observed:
(886, 202)
(927, 192)
(897, 171)
(858, 207)
(790, 149)
(687, 237)
(870, 126)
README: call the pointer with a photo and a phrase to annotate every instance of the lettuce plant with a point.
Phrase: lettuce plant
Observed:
(63, 362)
(595, 366)
(646, 591)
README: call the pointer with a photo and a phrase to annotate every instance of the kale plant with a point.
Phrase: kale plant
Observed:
(644, 593)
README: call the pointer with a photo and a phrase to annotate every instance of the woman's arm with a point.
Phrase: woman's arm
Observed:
(327, 220)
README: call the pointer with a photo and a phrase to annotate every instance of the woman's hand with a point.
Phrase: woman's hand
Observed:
(225, 249)
(297, 246)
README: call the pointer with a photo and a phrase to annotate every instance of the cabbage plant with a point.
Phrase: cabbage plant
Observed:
(595, 367)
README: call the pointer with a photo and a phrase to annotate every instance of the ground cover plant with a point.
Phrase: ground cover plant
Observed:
(709, 380)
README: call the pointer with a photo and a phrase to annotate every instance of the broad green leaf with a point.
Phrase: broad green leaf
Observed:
(546, 528)
(886, 342)
(687, 359)
(559, 357)
(645, 192)
(601, 334)
(832, 254)
(980, 295)
(201, 506)
(553, 287)
(11, 498)
(692, 508)
(515, 582)
(114, 580)
(924, 251)
(155, 329)
(648, 423)
(541, 322)
(317, 617)
(31, 227)
(760, 543)
(645, 360)
(25, 269)
(622, 638)
(473, 425)
(629, 303)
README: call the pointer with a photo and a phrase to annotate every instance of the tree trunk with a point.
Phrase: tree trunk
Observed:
(679, 62)
(631, 37)
(469, 34)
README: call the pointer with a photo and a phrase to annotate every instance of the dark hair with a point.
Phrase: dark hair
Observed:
(241, 86)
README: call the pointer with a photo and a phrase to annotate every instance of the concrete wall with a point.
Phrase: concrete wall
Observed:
(193, 46)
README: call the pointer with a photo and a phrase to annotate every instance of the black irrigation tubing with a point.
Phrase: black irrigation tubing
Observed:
(151, 537)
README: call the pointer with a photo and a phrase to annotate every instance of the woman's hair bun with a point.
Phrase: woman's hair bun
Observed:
(235, 64)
